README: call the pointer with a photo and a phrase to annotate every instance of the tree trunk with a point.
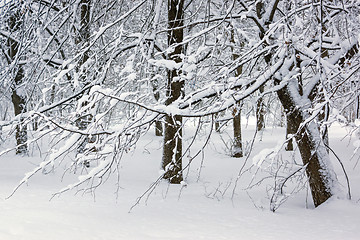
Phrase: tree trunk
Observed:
(172, 151)
(18, 97)
(312, 149)
(158, 128)
(237, 150)
(260, 119)
(290, 129)
(19, 102)
(82, 37)
(83, 34)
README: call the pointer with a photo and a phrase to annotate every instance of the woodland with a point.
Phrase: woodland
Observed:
(83, 82)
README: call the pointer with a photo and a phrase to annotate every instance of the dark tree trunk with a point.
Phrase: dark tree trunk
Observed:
(158, 128)
(312, 149)
(82, 38)
(172, 151)
(18, 97)
(83, 34)
(260, 111)
(237, 150)
(19, 102)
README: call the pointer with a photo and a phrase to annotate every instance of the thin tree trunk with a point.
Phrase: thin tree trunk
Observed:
(237, 150)
(260, 119)
(158, 128)
(18, 97)
(83, 37)
(172, 151)
(19, 102)
(155, 81)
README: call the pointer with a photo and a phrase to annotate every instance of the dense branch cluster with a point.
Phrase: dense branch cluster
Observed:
(94, 76)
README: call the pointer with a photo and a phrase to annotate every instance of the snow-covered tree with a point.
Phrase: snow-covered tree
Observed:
(13, 51)
(134, 63)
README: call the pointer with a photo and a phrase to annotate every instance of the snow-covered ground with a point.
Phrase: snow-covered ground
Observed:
(204, 209)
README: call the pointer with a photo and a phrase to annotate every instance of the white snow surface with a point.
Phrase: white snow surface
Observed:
(203, 209)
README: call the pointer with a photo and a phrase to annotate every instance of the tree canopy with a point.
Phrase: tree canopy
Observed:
(97, 75)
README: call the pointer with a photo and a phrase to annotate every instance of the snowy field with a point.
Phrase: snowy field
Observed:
(207, 208)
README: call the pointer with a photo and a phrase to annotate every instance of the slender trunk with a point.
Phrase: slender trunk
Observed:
(172, 151)
(18, 97)
(82, 37)
(237, 150)
(260, 119)
(83, 34)
(158, 128)
(324, 53)
(155, 81)
(260, 112)
(19, 102)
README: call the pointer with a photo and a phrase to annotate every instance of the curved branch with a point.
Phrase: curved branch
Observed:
(342, 167)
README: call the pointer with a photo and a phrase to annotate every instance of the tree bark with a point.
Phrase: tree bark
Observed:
(82, 37)
(158, 128)
(237, 150)
(289, 128)
(18, 97)
(312, 149)
(172, 151)
(260, 119)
